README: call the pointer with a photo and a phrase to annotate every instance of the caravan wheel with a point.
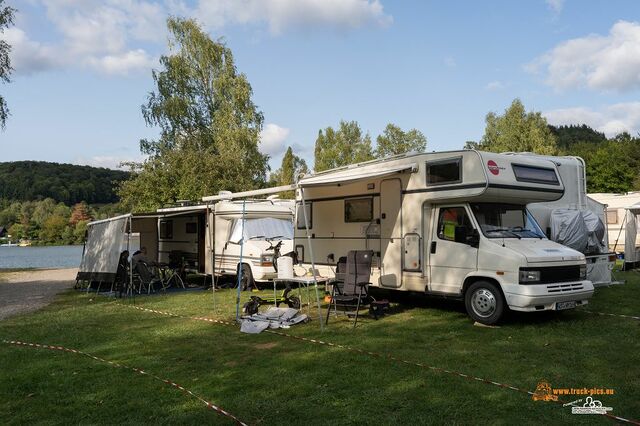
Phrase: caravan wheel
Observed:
(484, 302)
(247, 282)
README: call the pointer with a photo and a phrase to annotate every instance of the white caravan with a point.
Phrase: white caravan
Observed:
(450, 223)
(193, 228)
(617, 206)
(575, 219)
(205, 238)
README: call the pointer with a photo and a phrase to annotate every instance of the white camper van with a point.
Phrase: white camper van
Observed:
(448, 223)
(575, 219)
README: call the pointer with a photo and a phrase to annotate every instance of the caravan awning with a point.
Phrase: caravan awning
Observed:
(355, 174)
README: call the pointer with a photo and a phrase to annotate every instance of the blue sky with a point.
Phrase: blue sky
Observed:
(83, 68)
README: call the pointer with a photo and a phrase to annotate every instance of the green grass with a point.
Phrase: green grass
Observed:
(270, 379)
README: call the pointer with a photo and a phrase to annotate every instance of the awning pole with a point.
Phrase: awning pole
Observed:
(211, 249)
(313, 262)
(244, 202)
(130, 260)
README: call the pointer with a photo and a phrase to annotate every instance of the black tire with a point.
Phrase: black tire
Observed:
(294, 302)
(247, 282)
(484, 302)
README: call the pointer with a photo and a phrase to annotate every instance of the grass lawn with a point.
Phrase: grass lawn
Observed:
(270, 379)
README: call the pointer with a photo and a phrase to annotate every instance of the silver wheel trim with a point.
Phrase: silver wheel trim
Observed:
(483, 302)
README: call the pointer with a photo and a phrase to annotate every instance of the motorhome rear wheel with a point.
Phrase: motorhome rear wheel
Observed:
(484, 302)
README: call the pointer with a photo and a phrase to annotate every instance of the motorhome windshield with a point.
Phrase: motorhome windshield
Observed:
(265, 228)
(498, 220)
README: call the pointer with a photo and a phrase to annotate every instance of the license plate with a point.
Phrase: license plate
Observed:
(565, 305)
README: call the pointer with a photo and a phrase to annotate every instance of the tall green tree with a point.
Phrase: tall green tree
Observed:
(347, 145)
(292, 167)
(6, 19)
(517, 130)
(209, 125)
(394, 140)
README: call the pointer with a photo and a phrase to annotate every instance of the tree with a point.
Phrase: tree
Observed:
(54, 229)
(6, 19)
(518, 131)
(292, 167)
(209, 125)
(79, 213)
(347, 145)
(394, 141)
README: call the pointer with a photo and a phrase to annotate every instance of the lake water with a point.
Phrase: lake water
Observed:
(40, 257)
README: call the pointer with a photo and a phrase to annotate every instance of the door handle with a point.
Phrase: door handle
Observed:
(433, 247)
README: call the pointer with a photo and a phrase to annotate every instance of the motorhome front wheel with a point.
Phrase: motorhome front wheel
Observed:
(484, 302)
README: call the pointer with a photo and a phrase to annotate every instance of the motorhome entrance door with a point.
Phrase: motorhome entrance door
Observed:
(391, 233)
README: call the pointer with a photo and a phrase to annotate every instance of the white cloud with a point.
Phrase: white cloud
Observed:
(281, 15)
(28, 56)
(123, 63)
(272, 139)
(608, 63)
(495, 85)
(555, 5)
(611, 119)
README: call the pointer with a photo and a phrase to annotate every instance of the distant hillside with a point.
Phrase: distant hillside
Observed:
(68, 183)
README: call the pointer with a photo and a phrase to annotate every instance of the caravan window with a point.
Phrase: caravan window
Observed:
(358, 210)
(264, 228)
(612, 217)
(166, 229)
(535, 174)
(300, 216)
(444, 171)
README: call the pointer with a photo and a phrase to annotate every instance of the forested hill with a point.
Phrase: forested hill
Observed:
(67, 183)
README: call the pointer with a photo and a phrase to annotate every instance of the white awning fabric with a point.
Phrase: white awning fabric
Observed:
(355, 174)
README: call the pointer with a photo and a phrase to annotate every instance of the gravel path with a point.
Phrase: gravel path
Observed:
(31, 290)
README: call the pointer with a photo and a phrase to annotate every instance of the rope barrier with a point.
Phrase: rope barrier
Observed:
(611, 315)
(126, 367)
(378, 355)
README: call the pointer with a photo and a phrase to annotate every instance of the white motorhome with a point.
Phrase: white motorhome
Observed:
(449, 223)
(575, 219)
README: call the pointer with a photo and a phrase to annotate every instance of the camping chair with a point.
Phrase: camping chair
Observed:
(142, 272)
(353, 292)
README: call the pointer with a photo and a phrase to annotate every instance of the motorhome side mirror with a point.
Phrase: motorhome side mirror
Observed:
(474, 239)
(460, 235)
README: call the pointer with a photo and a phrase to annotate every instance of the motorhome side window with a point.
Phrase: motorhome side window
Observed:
(444, 171)
(612, 217)
(535, 174)
(450, 218)
(300, 216)
(358, 210)
(166, 229)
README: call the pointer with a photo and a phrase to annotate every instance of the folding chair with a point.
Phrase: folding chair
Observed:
(353, 292)
(146, 278)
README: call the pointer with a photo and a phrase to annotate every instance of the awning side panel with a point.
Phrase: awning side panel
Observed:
(105, 241)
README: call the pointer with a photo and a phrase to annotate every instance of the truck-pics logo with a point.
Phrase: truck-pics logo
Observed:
(493, 167)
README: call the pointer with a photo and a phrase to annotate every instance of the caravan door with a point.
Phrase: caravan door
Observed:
(391, 233)
(449, 260)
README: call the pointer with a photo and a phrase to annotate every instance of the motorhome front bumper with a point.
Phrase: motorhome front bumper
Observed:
(544, 297)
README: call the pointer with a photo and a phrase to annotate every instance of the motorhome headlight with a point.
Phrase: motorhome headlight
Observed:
(266, 260)
(529, 276)
(583, 272)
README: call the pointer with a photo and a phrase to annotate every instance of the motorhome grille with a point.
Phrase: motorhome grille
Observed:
(561, 288)
(559, 274)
